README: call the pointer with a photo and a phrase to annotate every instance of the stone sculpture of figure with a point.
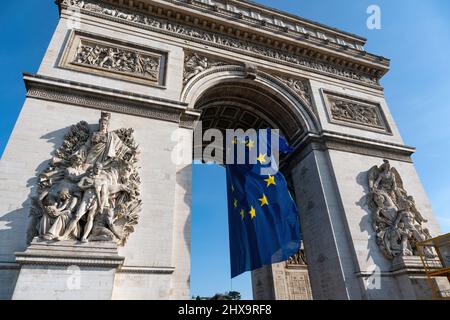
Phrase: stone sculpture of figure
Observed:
(55, 213)
(298, 258)
(412, 220)
(389, 181)
(110, 58)
(396, 221)
(95, 187)
(404, 235)
(104, 229)
(64, 216)
(195, 64)
(76, 169)
(91, 175)
(103, 146)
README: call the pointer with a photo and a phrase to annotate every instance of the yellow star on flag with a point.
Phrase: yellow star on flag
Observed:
(235, 140)
(262, 158)
(264, 201)
(270, 180)
(252, 213)
(242, 214)
(250, 144)
(235, 203)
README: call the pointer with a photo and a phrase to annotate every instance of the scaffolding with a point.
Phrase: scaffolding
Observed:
(435, 256)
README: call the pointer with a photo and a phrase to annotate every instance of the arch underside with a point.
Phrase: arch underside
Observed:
(239, 104)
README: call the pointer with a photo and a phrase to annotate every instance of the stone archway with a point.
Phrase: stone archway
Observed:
(196, 56)
(266, 96)
(228, 98)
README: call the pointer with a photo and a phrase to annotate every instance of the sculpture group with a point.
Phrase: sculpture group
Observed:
(90, 190)
(398, 224)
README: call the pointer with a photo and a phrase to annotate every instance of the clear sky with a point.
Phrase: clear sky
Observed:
(415, 34)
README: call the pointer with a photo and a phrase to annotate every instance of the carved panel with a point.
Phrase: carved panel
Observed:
(354, 112)
(112, 58)
(299, 287)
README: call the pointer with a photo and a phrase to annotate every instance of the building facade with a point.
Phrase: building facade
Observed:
(160, 66)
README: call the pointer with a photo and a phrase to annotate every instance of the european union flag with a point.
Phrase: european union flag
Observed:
(263, 217)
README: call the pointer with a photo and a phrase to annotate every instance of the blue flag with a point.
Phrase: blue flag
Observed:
(263, 217)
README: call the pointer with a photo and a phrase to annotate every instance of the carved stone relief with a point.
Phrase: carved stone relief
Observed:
(298, 259)
(90, 190)
(218, 39)
(351, 111)
(118, 60)
(195, 64)
(300, 87)
(112, 58)
(398, 225)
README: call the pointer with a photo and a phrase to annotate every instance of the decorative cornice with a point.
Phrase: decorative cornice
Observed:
(261, 18)
(273, 19)
(23, 258)
(68, 253)
(329, 140)
(79, 94)
(303, 57)
(146, 270)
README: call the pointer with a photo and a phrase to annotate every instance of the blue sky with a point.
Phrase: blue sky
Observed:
(415, 34)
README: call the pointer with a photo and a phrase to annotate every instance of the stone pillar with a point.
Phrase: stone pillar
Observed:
(330, 260)
(345, 257)
(67, 271)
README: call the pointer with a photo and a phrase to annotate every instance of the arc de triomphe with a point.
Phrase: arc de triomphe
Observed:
(157, 66)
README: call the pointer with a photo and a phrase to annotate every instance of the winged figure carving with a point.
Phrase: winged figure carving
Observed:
(395, 219)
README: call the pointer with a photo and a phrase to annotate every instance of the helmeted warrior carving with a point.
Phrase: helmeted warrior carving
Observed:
(90, 190)
(397, 222)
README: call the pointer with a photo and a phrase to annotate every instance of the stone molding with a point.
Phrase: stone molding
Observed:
(281, 25)
(146, 270)
(329, 140)
(300, 57)
(22, 259)
(68, 253)
(273, 20)
(75, 93)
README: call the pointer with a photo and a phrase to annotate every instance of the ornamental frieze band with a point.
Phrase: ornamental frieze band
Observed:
(179, 30)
